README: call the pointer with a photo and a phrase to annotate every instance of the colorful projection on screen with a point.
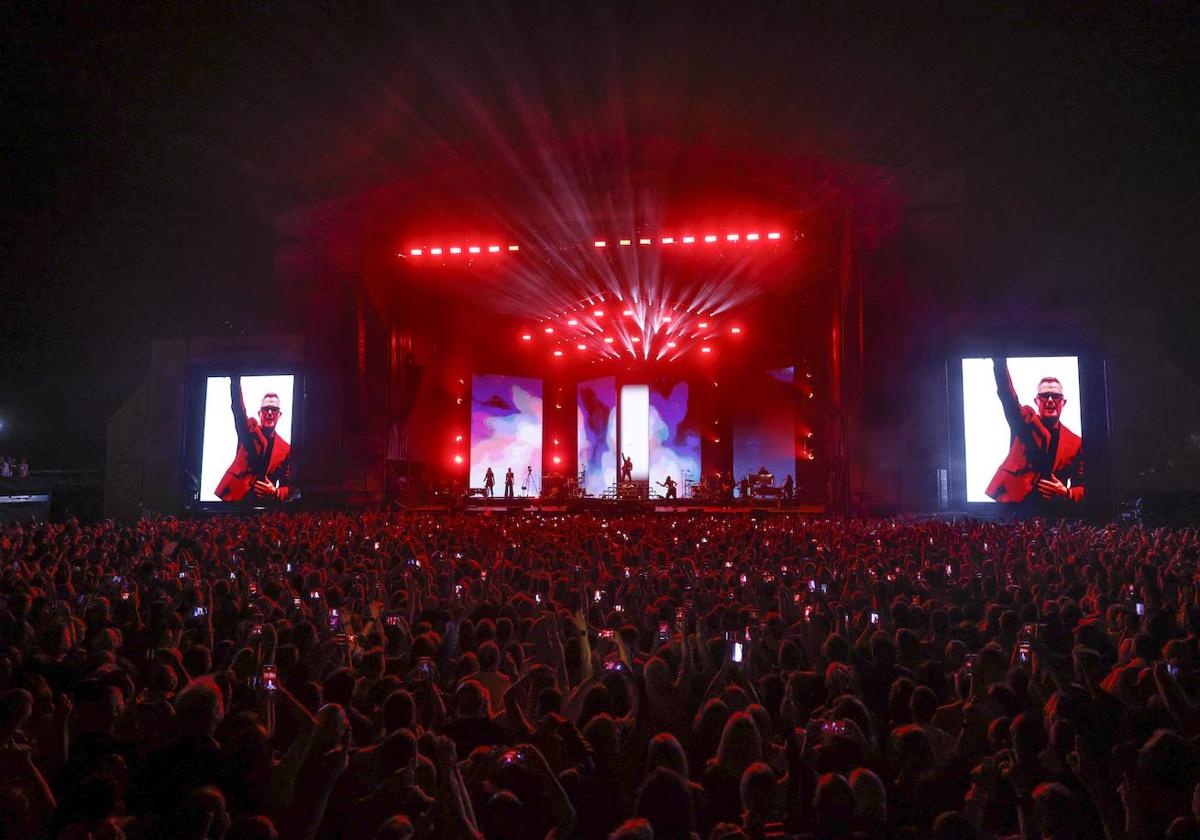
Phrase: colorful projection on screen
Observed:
(1046, 391)
(635, 428)
(674, 442)
(597, 433)
(506, 431)
(764, 432)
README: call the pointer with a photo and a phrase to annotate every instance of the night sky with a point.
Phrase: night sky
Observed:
(147, 148)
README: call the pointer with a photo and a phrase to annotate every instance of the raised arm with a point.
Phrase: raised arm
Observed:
(1007, 394)
(237, 404)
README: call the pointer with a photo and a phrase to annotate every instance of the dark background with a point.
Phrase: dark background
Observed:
(146, 149)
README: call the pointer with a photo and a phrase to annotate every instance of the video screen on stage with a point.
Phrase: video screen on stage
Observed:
(597, 434)
(674, 439)
(246, 453)
(1023, 430)
(764, 429)
(506, 433)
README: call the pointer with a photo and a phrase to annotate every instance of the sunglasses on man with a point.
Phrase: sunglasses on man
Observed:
(1050, 396)
(270, 409)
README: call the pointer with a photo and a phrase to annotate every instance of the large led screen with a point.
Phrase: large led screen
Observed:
(635, 430)
(506, 432)
(674, 441)
(1023, 430)
(597, 434)
(246, 452)
(764, 428)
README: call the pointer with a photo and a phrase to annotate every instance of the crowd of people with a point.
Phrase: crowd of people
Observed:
(392, 675)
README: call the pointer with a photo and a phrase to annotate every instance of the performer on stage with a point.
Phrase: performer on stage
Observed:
(744, 487)
(1044, 456)
(626, 468)
(670, 485)
(489, 483)
(263, 462)
(508, 484)
(789, 488)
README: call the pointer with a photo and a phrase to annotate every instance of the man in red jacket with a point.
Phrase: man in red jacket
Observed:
(263, 463)
(1045, 456)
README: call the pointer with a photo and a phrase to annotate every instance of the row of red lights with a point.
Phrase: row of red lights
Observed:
(456, 250)
(691, 240)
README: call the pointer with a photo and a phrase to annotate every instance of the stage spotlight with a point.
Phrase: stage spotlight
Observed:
(599, 313)
(600, 243)
(458, 438)
(608, 339)
(628, 313)
(666, 319)
(458, 459)
(557, 352)
(688, 240)
(705, 349)
(736, 330)
(712, 237)
(493, 249)
(668, 240)
(752, 237)
(636, 340)
(703, 325)
(458, 401)
(812, 456)
(626, 241)
(772, 236)
(549, 330)
(580, 346)
(733, 237)
(474, 249)
(435, 251)
(456, 250)
(557, 460)
(572, 323)
(416, 252)
(514, 247)
(527, 337)
(671, 344)
(643, 241)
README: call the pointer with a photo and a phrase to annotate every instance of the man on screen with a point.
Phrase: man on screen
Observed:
(263, 463)
(1045, 459)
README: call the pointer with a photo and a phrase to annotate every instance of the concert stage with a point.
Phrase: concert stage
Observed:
(745, 340)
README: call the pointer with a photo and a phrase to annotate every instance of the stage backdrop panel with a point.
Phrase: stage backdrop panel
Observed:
(506, 431)
(219, 447)
(764, 428)
(635, 428)
(674, 442)
(597, 433)
(985, 429)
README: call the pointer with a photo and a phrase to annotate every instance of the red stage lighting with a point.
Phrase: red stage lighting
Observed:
(458, 459)
(599, 313)
(608, 339)
(557, 352)
(732, 237)
(572, 323)
(580, 346)
(493, 249)
(666, 319)
(458, 438)
(514, 247)
(600, 243)
(671, 344)
(626, 241)
(688, 240)
(712, 237)
(549, 330)
(628, 313)
(636, 340)
(474, 249)
(643, 241)
(557, 460)
(456, 250)
(705, 349)
(527, 337)
(668, 240)
(736, 330)
(752, 237)
(703, 325)
(772, 236)
(416, 252)
(435, 251)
